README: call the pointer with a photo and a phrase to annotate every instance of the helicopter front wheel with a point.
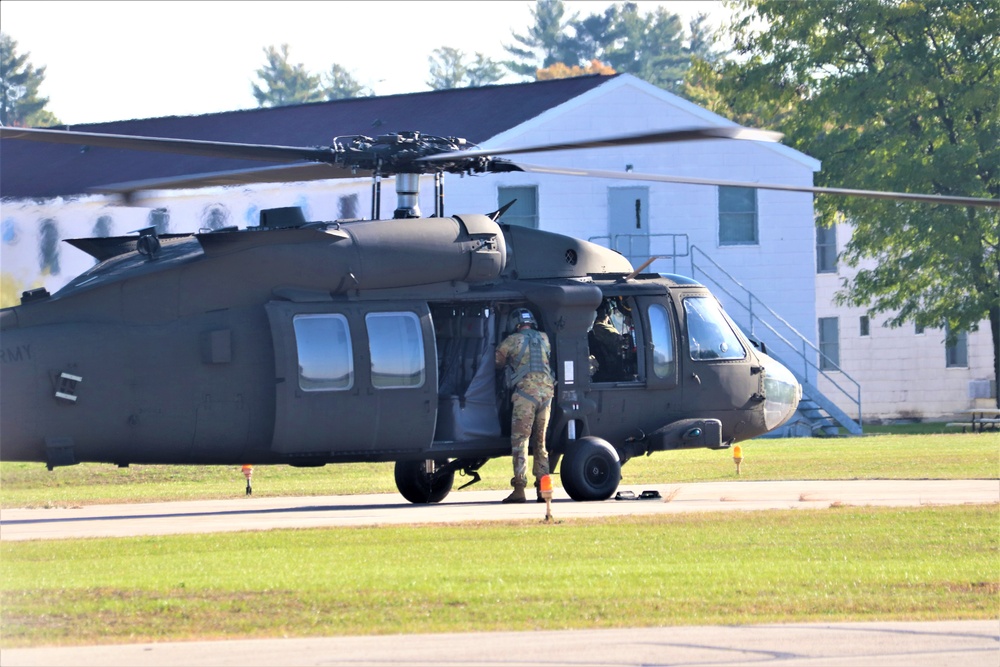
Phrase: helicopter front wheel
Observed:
(419, 486)
(591, 469)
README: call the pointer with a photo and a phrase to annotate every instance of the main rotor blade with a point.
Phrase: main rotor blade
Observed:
(658, 137)
(870, 194)
(291, 173)
(184, 146)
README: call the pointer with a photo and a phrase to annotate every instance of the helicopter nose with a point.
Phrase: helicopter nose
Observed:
(782, 393)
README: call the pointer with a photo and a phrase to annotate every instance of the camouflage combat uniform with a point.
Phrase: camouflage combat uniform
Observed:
(531, 400)
(606, 343)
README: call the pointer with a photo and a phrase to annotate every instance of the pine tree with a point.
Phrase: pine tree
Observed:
(19, 83)
(284, 83)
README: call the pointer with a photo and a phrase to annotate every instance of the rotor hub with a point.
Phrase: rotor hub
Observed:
(400, 153)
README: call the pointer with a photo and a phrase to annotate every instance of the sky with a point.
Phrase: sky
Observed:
(107, 61)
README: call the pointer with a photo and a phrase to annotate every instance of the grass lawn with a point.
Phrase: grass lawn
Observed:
(840, 564)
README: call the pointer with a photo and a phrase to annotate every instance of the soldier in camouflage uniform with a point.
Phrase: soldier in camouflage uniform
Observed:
(526, 352)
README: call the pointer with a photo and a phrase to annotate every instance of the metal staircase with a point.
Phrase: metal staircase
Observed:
(817, 413)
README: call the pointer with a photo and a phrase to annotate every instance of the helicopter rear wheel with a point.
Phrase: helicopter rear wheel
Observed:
(591, 469)
(419, 487)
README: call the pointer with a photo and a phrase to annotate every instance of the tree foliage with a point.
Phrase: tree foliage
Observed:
(888, 95)
(653, 46)
(449, 68)
(561, 71)
(546, 42)
(20, 103)
(650, 47)
(283, 83)
(340, 84)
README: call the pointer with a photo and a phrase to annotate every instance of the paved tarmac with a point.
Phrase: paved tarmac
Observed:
(897, 644)
(259, 512)
(940, 644)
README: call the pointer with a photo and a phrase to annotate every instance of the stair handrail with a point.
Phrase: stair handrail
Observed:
(672, 242)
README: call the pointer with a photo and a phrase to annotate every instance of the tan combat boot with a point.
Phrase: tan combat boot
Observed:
(517, 496)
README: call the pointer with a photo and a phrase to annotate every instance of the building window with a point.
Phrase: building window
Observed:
(864, 325)
(348, 208)
(829, 344)
(524, 211)
(826, 249)
(397, 350)
(918, 329)
(957, 351)
(737, 216)
(48, 247)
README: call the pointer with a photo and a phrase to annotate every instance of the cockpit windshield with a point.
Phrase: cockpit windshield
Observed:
(710, 337)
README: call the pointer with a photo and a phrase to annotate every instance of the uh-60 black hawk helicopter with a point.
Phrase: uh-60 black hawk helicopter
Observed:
(373, 340)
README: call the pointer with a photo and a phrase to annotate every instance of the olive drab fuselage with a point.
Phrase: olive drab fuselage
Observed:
(359, 341)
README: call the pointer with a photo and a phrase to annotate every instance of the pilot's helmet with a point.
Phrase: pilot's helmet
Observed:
(521, 317)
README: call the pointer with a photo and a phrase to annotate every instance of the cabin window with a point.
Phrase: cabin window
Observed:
(710, 337)
(524, 211)
(663, 342)
(826, 249)
(737, 216)
(864, 326)
(397, 350)
(324, 348)
(829, 344)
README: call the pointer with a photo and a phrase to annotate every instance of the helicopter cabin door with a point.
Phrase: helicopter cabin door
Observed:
(628, 222)
(353, 379)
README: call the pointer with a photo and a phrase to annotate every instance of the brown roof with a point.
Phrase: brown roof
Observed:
(31, 169)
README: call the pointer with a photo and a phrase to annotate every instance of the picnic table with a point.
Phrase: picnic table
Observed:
(979, 420)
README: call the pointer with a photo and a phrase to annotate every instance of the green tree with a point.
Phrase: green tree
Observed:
(650, 46)
(449, 69)
(19, 83)
(702, 41)
(890, 95)
(283, 83)
(546, 42)
(483, 71)
(340, 84)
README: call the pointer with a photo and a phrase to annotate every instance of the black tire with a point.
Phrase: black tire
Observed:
(591, 469)
(416, 485)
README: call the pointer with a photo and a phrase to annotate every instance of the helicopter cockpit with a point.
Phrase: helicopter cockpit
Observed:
(612, 342)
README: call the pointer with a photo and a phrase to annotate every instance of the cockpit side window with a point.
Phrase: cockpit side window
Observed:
(664, 364)
(710, 337)
(614, 348)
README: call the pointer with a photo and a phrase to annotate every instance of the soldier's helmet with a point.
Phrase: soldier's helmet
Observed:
(520, 317)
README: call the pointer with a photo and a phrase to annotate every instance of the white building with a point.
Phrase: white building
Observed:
(903, 373)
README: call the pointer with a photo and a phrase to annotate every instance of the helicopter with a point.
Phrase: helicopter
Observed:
(373, 339)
